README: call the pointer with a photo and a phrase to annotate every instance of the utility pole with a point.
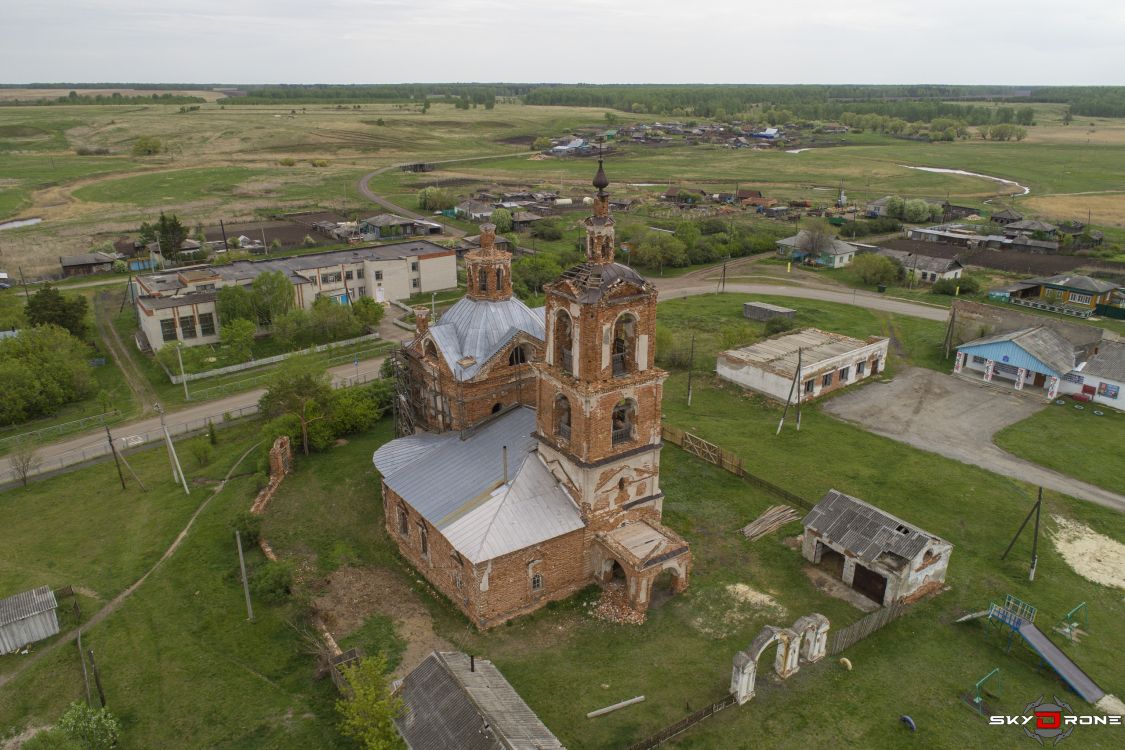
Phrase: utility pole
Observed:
(26, 295)
(691, 368)
(116, 461)
(180, 357)
(245, 583)
(177, 470)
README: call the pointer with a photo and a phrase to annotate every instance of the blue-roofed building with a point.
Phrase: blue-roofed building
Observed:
(1037, 357)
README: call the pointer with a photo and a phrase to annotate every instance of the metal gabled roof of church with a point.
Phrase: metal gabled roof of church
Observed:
(478, 329)
(458, 486)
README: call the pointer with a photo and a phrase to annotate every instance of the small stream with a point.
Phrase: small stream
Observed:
(941, 170)
(19, 223)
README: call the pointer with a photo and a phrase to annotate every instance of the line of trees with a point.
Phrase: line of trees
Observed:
(115, 98)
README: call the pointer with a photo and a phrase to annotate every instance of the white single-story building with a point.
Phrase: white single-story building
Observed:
(828, 252)
(817, 361)
(1101, 377)
(179, 304)
(924, 268)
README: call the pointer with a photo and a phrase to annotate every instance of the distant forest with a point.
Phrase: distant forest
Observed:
(912, 103)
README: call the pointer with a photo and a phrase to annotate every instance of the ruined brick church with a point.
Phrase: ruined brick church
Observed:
(533, 469)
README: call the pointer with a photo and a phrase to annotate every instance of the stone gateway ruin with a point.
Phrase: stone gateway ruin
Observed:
(806, 640)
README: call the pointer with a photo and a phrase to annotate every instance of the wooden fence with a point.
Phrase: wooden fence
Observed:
(857, 631)
(683, 724)
(336, 666)
(728, 461)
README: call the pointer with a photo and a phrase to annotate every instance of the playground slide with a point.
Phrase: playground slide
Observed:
(1078, 680)
(973, 616)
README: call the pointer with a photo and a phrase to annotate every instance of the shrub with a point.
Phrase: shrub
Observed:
(92, 729)
(309, 241)
(202, 453)
(869, 268)
(966, 285)
(272, 581)
(780, 324)
(249, 527)
(147, 146)
(319, 162)
(287, 162)
(212, 436)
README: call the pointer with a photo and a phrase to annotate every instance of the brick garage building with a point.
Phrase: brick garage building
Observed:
(818, 361)
(881, 556)
(528, 505)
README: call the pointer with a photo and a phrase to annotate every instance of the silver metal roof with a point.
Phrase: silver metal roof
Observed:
(780, 353)
(1041, 342)
(451, 703)
(458, 486)
(27, 604)
(865, 530)
(479, 329)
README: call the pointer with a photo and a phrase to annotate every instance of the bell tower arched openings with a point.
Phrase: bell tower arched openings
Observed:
(562, 335)
(488, 269)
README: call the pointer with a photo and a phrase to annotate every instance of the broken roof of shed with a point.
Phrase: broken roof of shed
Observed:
(779, 354)
(25, 605)
(452, 701)
(864, 530)
(86, 259)
(767, 306)
(1032, 225)
(912, 261)
(474, 330)
(1041, 342)
(1007, 213)
(458, 486)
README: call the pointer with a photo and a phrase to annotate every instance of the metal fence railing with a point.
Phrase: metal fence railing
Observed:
(57, 430)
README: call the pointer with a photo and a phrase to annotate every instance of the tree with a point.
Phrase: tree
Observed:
(41, 369)
(547, 229)
(273, 296)
(611, 118)
(331, 321)
(433, 198)
(300, 387)
(238, 337)
(49, 306)
(542, 143)
(916, 210)
(147, 145)
(817, 235)
(502, 218)
(368, 312)
(168, 230)
(24, 460)
(1068, 117)
(368, 714)
(870, 268)
(94, 729)
(235, 303)
(896, 207)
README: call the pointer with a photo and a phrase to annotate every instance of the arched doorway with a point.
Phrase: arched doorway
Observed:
(564, 342)
(663, 587)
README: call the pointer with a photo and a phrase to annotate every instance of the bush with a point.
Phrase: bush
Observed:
(249, 527)
(92, 729)
(147, 146)
(319, 162)
(780, 324)
(871, 269)
(288, 162)
(966, 285)
(435, 199)
(272, 581)
(202, 453)
(547, 229)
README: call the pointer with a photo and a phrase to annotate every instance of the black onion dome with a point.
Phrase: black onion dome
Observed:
(601, 182)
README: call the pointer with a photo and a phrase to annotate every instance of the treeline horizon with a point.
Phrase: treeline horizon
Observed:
(911, 102)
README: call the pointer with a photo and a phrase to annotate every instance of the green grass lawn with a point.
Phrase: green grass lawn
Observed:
(1072, 441)
(173, 187)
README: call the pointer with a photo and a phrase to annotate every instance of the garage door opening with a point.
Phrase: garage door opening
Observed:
(831, 561)
(870, 584)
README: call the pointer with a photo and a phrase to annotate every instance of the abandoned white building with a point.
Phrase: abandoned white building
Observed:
(26, 618)
(883, 557)
(452, 700)
(504, 507)
(179, 305)
(826, 362)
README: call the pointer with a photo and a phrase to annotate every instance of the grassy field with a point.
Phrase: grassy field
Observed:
(171, 188)
(1072, 441)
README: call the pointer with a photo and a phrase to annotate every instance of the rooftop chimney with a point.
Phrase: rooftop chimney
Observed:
(421, 320)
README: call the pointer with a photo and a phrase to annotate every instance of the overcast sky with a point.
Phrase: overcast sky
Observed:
(626, 41)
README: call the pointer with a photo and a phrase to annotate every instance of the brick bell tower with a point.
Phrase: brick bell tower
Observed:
(598, 422)
(488, 269)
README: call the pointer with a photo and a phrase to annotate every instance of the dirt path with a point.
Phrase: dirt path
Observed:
(138, 384)
(118, 600)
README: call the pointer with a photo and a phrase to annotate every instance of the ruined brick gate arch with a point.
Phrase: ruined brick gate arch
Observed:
(807, 640)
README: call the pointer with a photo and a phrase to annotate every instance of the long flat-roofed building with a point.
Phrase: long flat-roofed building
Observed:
(179, 304)
(826, 361)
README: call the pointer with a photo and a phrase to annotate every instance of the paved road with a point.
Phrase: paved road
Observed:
(956, 418)
(69, 451)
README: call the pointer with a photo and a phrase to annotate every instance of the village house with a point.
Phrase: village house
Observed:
(1005, 217)
(473, 210)
(1068, 294)
(386, 226)
(804, 365)
(86, 264)
(522, 220)
(924, 268)
(456, 701)
(888, 560)
(180, 304)
(1030, 227)
(548, 478)
(471, 242)
(1041, 357)
(825, 251)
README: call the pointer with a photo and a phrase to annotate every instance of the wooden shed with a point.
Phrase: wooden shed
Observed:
(26, 618)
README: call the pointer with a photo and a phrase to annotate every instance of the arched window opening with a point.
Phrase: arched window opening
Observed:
(429, 349)
(564, 342)
(624, 415)
(562, 417)
(496, 408)
(624, 345)
(425, 540)
(499, 278)
(520, 355)
(403, 522)
(537, 582)
(482, 280)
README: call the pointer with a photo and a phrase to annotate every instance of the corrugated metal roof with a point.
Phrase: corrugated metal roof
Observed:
(479, 329)
(1109, 362)
(865, 530)
(1077, 281)
(457, 485)
(594, 280)
(450, 706)
(27, 604)
(1041, 342)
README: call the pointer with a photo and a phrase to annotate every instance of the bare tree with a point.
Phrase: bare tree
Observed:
(24, 460)
(818, 236)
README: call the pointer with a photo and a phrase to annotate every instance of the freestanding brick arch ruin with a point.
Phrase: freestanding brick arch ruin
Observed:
(807, 640)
